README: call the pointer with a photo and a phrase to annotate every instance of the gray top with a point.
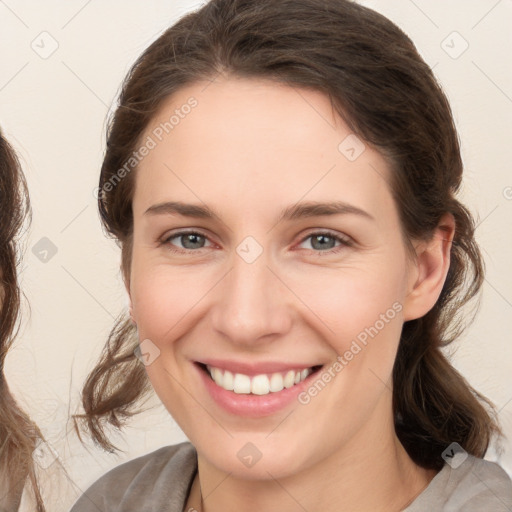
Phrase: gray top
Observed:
(161, 482)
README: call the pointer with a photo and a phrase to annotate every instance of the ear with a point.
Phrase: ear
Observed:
(429, 270)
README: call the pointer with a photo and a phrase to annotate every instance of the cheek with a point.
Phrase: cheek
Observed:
(349, 301)
(157, 304)
(164, 298)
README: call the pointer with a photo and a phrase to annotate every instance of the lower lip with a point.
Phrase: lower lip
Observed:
(250, 405)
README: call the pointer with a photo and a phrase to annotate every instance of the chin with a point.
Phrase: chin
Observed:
(252, 457)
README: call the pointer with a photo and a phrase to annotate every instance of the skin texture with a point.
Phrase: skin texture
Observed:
(248, 150)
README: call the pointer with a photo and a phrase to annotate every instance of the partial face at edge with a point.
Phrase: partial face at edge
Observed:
(248, 287)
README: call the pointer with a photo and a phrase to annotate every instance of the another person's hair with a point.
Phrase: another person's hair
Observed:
(378, 83)
(19, 435)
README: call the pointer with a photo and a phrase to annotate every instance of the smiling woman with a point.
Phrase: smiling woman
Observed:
(296, 235)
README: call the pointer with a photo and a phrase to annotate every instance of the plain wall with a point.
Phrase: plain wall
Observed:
(53, 110)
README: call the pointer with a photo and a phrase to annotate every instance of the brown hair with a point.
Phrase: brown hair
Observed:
(18, 434)
(388, 95)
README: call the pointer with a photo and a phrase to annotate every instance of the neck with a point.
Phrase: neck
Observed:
(371, 473)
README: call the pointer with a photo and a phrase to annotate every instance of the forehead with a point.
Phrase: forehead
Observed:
(247, 113)
(244, 140)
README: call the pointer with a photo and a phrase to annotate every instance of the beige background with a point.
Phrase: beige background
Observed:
(53, 109)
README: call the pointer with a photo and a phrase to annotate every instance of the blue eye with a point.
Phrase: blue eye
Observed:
(190, 241)
(322, 242)
(325, 242)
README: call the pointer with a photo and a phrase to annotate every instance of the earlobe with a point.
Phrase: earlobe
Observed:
(432, 265)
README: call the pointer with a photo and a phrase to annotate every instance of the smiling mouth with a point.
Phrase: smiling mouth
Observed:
(262, 384)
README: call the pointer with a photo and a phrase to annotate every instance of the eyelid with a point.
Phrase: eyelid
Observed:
(181, 232)
(345, 240)
(323, 231)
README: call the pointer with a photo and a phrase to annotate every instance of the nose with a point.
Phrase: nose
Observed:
(254, 306)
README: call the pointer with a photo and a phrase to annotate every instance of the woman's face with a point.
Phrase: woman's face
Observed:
(294, 260)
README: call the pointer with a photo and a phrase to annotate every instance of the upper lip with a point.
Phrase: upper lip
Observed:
(255, 368)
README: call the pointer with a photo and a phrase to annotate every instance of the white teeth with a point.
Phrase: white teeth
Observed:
(217, 376)
(228, 382)
(289, 379)
(259, 384)
(276, 382)
(241, 383)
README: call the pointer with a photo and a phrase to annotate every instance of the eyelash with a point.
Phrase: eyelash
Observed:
(344, 242)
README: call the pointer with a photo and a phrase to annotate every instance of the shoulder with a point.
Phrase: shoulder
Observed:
(470, 485)
(481, 484)
(157, 481)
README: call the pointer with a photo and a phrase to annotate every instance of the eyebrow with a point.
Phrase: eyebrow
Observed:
(293, 212)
